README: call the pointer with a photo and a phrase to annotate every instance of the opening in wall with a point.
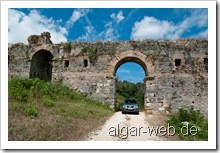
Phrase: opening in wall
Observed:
(205, 60)
(85, 63)
(66, 64)
(177, 62)
(42, 65)
(8, 59)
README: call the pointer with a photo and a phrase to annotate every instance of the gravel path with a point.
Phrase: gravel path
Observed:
(125, 127)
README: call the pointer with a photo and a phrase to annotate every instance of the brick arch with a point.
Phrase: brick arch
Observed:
(130, 56)
(130, 59)
(47, 47)
(41, 65)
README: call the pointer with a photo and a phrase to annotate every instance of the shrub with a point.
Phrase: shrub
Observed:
(17, 90)
(48, 102)
(31, 111)
(21, 89)
(194, 118)
(22, 95)
(119, 106)
(28, 90)
(67, 47)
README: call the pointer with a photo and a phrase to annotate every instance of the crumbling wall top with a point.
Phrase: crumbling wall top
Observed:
(44, 38)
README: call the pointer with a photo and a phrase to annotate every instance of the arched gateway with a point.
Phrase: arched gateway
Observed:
(176, 72)
(41, 65)
(130, 56)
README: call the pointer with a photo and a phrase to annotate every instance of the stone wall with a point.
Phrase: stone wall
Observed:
(176, 71)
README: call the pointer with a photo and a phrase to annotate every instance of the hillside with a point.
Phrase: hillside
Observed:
(40, 110)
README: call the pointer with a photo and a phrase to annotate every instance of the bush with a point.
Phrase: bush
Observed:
(194, 118)
(36, 92)
(31, 112)
(21, 89)
(28, 90)
(48, 102)
(17, 89)
(67, 47)
(119, 106)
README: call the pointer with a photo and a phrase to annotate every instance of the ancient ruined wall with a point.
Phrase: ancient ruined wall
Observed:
(186, 84)
(176, 71)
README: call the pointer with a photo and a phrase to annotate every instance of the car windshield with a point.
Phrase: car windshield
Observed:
(130, 102)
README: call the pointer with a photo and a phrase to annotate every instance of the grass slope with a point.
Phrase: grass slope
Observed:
(40, 110)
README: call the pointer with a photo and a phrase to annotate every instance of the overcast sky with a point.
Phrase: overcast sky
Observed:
(108, 25)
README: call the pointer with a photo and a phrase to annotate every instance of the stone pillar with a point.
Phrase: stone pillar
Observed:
(149, 94)
(111, 94)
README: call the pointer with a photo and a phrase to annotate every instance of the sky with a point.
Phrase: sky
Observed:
(108, 24)
(131, 72)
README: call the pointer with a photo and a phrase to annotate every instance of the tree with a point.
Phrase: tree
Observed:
(127, 89)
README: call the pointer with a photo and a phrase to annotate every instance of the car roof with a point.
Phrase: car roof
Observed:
(130, 100)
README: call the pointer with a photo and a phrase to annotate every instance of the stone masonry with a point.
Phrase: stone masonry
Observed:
(176, 71)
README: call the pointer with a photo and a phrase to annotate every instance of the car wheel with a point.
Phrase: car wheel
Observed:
(122, 112)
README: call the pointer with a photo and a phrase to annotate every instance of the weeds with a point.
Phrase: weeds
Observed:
(92, 52)
(194, 119)
(31, 112)
(48, 102)
(67, 47)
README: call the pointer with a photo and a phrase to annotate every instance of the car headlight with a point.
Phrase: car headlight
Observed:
(135, 107)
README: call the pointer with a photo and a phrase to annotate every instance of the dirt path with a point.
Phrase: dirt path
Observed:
(126, 127)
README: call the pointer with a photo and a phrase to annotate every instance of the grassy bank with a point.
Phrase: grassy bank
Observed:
(40, 110)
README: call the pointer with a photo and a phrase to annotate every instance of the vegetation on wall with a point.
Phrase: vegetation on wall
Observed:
(93, 50)
(147, 44)
(67, 47)
(133, 44)
(156, 57)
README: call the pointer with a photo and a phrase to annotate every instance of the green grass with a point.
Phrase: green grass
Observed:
(35, 105)
(48, 102)
(31, 111)
(196, 122)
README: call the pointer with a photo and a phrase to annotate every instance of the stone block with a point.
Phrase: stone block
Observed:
(162, 110)
(149, 104)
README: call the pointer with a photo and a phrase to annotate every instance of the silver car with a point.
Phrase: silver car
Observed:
(130, 106)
